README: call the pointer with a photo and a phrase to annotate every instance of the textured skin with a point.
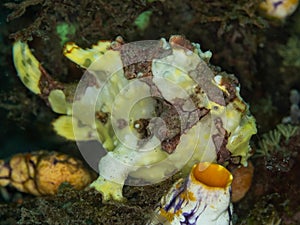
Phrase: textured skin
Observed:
(156, 107)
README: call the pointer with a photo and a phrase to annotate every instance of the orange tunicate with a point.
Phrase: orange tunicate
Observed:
(212, 175)
(242, 178)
